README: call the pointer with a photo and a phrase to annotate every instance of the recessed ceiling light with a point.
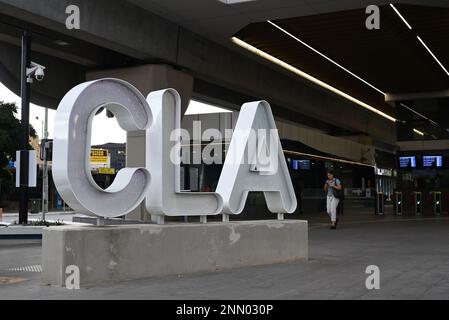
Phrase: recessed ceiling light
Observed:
(234, 1)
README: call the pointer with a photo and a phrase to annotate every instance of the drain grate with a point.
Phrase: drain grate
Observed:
(34, 268)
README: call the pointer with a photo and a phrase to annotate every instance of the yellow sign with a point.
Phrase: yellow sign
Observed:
(106, 170)
(99, 156)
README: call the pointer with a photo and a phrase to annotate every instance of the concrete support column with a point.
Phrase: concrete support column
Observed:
(147, 78)
(135, 157)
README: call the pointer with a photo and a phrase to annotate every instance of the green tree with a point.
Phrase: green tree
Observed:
(9, 138)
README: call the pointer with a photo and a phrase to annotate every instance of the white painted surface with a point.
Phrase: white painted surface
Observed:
(164, 195)
(72, 142)
(239, 175)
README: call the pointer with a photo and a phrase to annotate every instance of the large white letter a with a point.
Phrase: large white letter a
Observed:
(244, 170)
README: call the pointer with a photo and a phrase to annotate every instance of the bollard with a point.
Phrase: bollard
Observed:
(1, 214)
(418, 203)
(380, 203)
(436, 197)
(398, 203)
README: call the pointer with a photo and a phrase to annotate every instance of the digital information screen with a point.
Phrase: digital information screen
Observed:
(301, 164)
(407, 162)
(432, 161)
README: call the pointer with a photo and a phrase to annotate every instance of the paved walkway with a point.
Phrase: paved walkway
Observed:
(412, 254)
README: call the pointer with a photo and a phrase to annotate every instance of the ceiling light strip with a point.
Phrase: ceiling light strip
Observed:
(419, 114)
(324, 56)
(420, 39)
(327, 158)
(400, 16)
(431, 53)
(418, 132)
(295, 70)
(345, 69)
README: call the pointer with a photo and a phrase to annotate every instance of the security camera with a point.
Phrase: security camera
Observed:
(37, 70)
(39, 74)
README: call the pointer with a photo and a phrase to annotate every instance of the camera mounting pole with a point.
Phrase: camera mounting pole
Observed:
(25, 132)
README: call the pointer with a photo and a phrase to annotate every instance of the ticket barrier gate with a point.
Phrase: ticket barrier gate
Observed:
(380, 203)
(398, 203)
(436, 202)
(417, 204)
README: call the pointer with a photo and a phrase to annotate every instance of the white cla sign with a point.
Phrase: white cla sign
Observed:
(159, 182)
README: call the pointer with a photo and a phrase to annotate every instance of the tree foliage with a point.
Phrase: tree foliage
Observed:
(9, 136)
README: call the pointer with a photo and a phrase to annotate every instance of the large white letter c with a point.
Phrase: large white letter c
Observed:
(71, 147)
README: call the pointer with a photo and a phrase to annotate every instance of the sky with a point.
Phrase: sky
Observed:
(104, 129)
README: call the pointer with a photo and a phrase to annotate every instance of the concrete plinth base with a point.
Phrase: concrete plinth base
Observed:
(105, 254)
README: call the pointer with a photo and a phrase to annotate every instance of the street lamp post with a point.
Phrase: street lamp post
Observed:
(25, 132)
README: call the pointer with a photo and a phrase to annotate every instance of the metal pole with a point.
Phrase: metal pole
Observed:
(44, 182)
(25, 132)
(43, 177)
(45, 169)
(46, 124)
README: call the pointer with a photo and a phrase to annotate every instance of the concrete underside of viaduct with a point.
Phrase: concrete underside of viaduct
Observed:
(221, 73)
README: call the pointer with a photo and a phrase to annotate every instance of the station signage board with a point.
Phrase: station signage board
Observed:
(99, 156)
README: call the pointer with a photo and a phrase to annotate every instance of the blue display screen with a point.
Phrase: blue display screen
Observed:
(407, 162)
(301, 164)
(432, 161)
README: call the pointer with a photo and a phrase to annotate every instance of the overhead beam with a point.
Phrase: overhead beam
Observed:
(50, 51)
(423, 145)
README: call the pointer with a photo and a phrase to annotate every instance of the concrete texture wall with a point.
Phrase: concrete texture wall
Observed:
(151, 77)
(105, 254)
